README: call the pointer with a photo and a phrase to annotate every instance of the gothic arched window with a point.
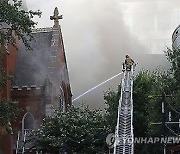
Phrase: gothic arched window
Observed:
(28, 122)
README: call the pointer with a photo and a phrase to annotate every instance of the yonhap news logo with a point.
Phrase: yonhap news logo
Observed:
(149, 140)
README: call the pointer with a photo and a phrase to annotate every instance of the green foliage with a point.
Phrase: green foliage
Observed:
(147, 108)
(14, 23)
(142, 89)
(174, 58)
(78, 130)
(111, 100)
(146, 85)
(4, 77)
(18, 21)
(8, 110)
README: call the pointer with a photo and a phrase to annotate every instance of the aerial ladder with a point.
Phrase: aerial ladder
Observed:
(124, 137)
(24, 142)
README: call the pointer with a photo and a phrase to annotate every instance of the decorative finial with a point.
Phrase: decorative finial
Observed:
(56, 18)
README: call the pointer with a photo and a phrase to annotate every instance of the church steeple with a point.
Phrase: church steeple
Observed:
(56, 18)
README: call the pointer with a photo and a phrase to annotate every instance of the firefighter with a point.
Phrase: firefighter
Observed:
(128, 63)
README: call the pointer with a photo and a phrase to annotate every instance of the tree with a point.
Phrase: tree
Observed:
(173, 55)
(9, 111)
(146, 110)
(146, 84)
(79, 130)
(15, 23)
(111, 101)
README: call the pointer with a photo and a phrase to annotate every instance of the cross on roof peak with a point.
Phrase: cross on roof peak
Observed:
(56, 17)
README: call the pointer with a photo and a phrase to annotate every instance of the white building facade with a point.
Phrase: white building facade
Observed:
(176, 38)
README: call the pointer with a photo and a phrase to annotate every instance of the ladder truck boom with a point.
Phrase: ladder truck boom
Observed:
(124, 130)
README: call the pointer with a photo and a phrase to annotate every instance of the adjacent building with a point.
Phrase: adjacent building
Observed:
(176, 38)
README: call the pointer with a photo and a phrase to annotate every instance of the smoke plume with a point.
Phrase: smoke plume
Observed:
(97, 36)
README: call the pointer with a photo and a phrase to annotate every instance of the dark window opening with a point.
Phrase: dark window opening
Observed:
(28, 121)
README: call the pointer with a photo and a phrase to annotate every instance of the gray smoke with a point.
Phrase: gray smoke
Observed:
(97, 51)
(97, 38)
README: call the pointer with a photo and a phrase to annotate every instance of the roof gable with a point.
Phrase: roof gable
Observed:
(32, 66)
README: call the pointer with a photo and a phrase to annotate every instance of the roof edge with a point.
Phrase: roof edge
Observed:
(46, 29)
(32, 87)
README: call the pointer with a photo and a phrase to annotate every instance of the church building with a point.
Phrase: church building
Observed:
(41, 81)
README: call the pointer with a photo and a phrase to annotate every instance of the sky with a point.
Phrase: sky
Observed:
(99, 33)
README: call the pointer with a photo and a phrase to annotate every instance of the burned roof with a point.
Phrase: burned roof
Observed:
(32, 65)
